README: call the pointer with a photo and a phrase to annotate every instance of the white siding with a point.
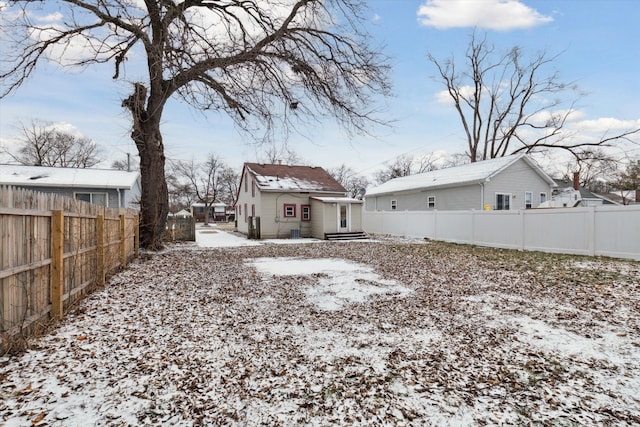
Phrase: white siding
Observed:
(516, 180)
(465, 197)
(318, 213)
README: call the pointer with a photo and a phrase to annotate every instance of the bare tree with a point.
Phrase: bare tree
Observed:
(400, 167)
(508, 104)
(283, 154)
(629, 181)
(127, 164)
(268, 65)
(204, 180)
(349, 179)
(229, 179)
(456, 159)
(405, 165)
(180, 192)
(595, 169)
(43, 144)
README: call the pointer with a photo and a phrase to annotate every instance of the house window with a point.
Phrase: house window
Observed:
(306, 212)
(289, 210)
(431, 202)
(528, 200)
(246, 183)
(245, 212)
(239, 210)
(253, 210)
(101, 199)
(394, 205)
(543, 197)
(503, 202)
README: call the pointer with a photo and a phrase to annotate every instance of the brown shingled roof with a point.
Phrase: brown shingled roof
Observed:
(293, 178)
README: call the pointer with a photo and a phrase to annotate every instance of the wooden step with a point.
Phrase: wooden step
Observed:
(356, 235)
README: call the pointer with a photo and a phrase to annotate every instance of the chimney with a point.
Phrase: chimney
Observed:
(576, 181)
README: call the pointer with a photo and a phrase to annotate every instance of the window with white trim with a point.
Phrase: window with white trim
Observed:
(503, 202)
(543, 197)
(394, 205)
(528, 199)
(431, 202)
(306, 212)
(289, 210)
(101, 199)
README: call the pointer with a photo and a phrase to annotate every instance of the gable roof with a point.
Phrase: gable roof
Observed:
(470, 173)
(43, 176)
(567, 183)
(288, 178)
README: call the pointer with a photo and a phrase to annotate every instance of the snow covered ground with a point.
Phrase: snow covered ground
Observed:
(234, 332)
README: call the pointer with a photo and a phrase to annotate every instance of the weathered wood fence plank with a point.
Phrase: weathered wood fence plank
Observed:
(52, 251)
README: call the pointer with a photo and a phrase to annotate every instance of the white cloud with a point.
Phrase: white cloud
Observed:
(443, 97)
(500, 15)
(605, 124)
(53, 17)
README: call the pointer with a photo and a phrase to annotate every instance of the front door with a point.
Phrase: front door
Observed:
(343, 218)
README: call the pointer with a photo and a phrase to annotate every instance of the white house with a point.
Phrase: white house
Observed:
(106, 187)
(276, 201)
(217, 211)
(511, 182)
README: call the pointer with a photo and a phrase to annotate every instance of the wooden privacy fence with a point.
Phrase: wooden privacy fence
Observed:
(180, 228)
(53, 249)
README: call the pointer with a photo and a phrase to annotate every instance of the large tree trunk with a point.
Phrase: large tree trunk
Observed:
(154, 200)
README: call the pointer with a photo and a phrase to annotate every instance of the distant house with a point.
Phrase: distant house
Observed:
(511, 182)
(569, 193)
(620, 197)
(217, 212)
(106, 187)
(292, 201)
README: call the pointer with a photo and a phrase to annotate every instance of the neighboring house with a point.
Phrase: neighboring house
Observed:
(105, 187)
(620, 198)
(511, 182)
(569, 193)
(183, 213)
(292, 201)
(217, 212)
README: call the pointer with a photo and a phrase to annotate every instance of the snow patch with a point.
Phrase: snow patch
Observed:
(340, 282)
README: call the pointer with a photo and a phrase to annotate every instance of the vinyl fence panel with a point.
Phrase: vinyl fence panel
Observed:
(597, 230)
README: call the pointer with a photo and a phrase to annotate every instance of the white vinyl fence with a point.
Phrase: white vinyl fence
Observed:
(612, 231)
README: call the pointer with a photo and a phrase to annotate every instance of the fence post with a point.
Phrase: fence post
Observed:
(250, 230)
(257, 229)
(136, 232)
(57, 264)
(100, 248)
(590, 232)
(523, 229)
(435, 224)
(123, 241)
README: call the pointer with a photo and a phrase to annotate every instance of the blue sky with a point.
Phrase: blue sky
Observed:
(598, 38)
